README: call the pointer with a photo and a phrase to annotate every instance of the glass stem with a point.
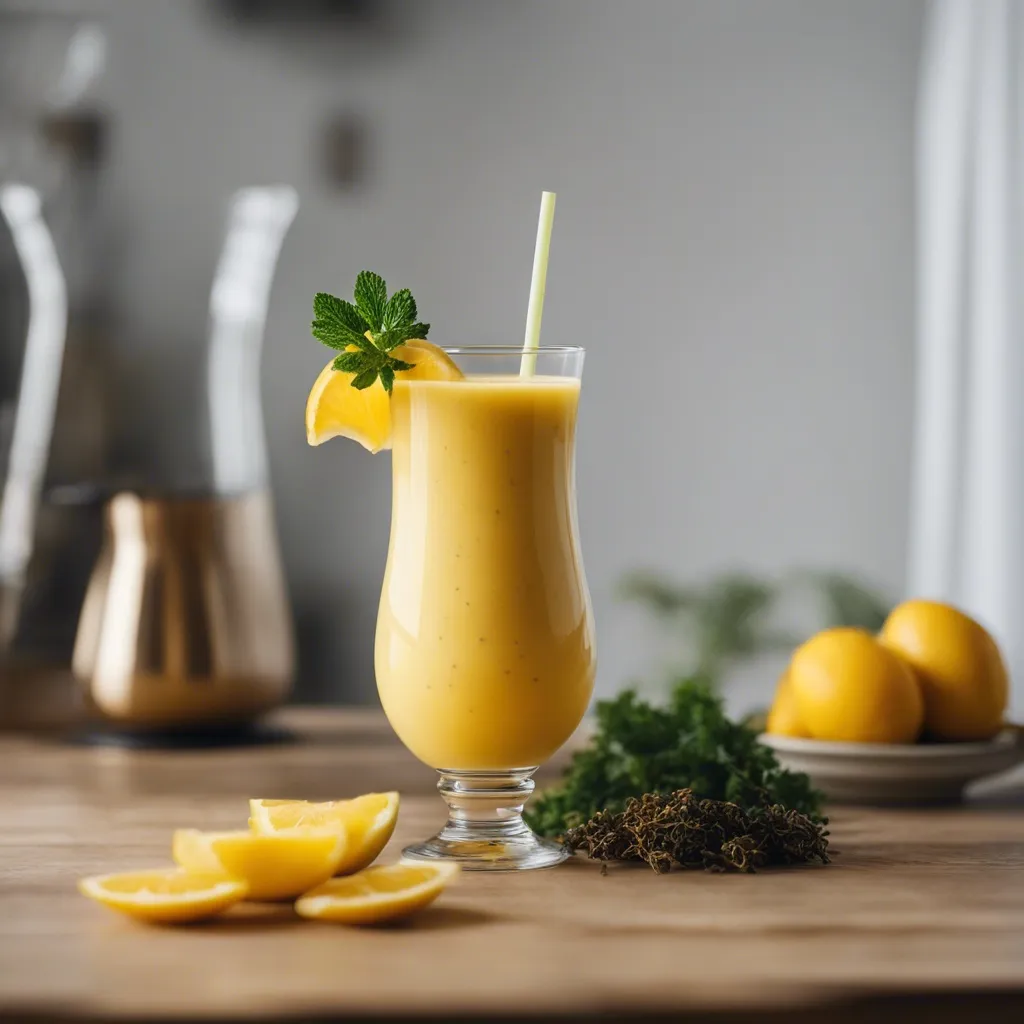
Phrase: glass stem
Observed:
(486, 803)
(485, 828)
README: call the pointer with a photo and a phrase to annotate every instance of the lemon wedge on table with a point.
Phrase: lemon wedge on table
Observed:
(336, 409)
(167, 895)
(274, 867)
(377, 894)
(367, 821)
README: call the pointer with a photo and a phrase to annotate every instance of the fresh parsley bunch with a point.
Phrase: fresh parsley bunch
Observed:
(369, 330)
(690, 743)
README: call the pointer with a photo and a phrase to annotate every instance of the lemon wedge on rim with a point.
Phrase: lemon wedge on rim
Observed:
(336, 409)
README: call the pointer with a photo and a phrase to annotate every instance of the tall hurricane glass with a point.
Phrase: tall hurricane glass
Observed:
(485, 654)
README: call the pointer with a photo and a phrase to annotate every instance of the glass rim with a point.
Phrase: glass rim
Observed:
(512, 350)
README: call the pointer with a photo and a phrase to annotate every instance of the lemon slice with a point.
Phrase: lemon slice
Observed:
(368, 822)
(165, 894)
(336, 409)
(275, 867)
(377, 894)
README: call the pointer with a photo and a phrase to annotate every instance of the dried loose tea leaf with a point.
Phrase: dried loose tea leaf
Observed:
(684, 831)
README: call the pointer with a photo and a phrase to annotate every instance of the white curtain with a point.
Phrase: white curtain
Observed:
(967, 504)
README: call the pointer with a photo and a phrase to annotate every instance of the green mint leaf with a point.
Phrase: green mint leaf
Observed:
(392, 339)
(363, 380)
(328, 307)
(389, 340)
(371, 299)
(350, 362)
(368, 331)
(337, 322)
(400, 310)
(333, 337)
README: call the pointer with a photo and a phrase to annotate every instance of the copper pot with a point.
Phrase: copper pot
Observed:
(186, 622)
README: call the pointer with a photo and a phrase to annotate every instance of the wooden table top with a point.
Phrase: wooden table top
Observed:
(924, 905)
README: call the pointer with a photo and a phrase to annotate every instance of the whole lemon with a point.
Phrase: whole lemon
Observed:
(784, 716)
(849, 687)
(962, 674)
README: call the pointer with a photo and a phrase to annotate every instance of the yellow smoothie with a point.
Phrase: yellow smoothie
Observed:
(485, 641)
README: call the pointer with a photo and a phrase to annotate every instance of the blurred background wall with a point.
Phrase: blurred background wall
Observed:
(733, 244)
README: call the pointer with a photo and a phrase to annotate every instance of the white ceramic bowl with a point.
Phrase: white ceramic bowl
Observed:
(883, 773)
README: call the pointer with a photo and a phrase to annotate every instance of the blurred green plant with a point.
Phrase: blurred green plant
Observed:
(734, 617)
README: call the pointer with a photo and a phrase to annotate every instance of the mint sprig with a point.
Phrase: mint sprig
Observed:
(369, 330)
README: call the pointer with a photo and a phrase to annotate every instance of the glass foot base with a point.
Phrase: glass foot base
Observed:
(479, 854)
(485, 830)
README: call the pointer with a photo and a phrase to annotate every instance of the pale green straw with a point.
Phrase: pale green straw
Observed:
(535, 310)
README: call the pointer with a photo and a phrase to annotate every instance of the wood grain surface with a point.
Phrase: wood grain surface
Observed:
(921, 913)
